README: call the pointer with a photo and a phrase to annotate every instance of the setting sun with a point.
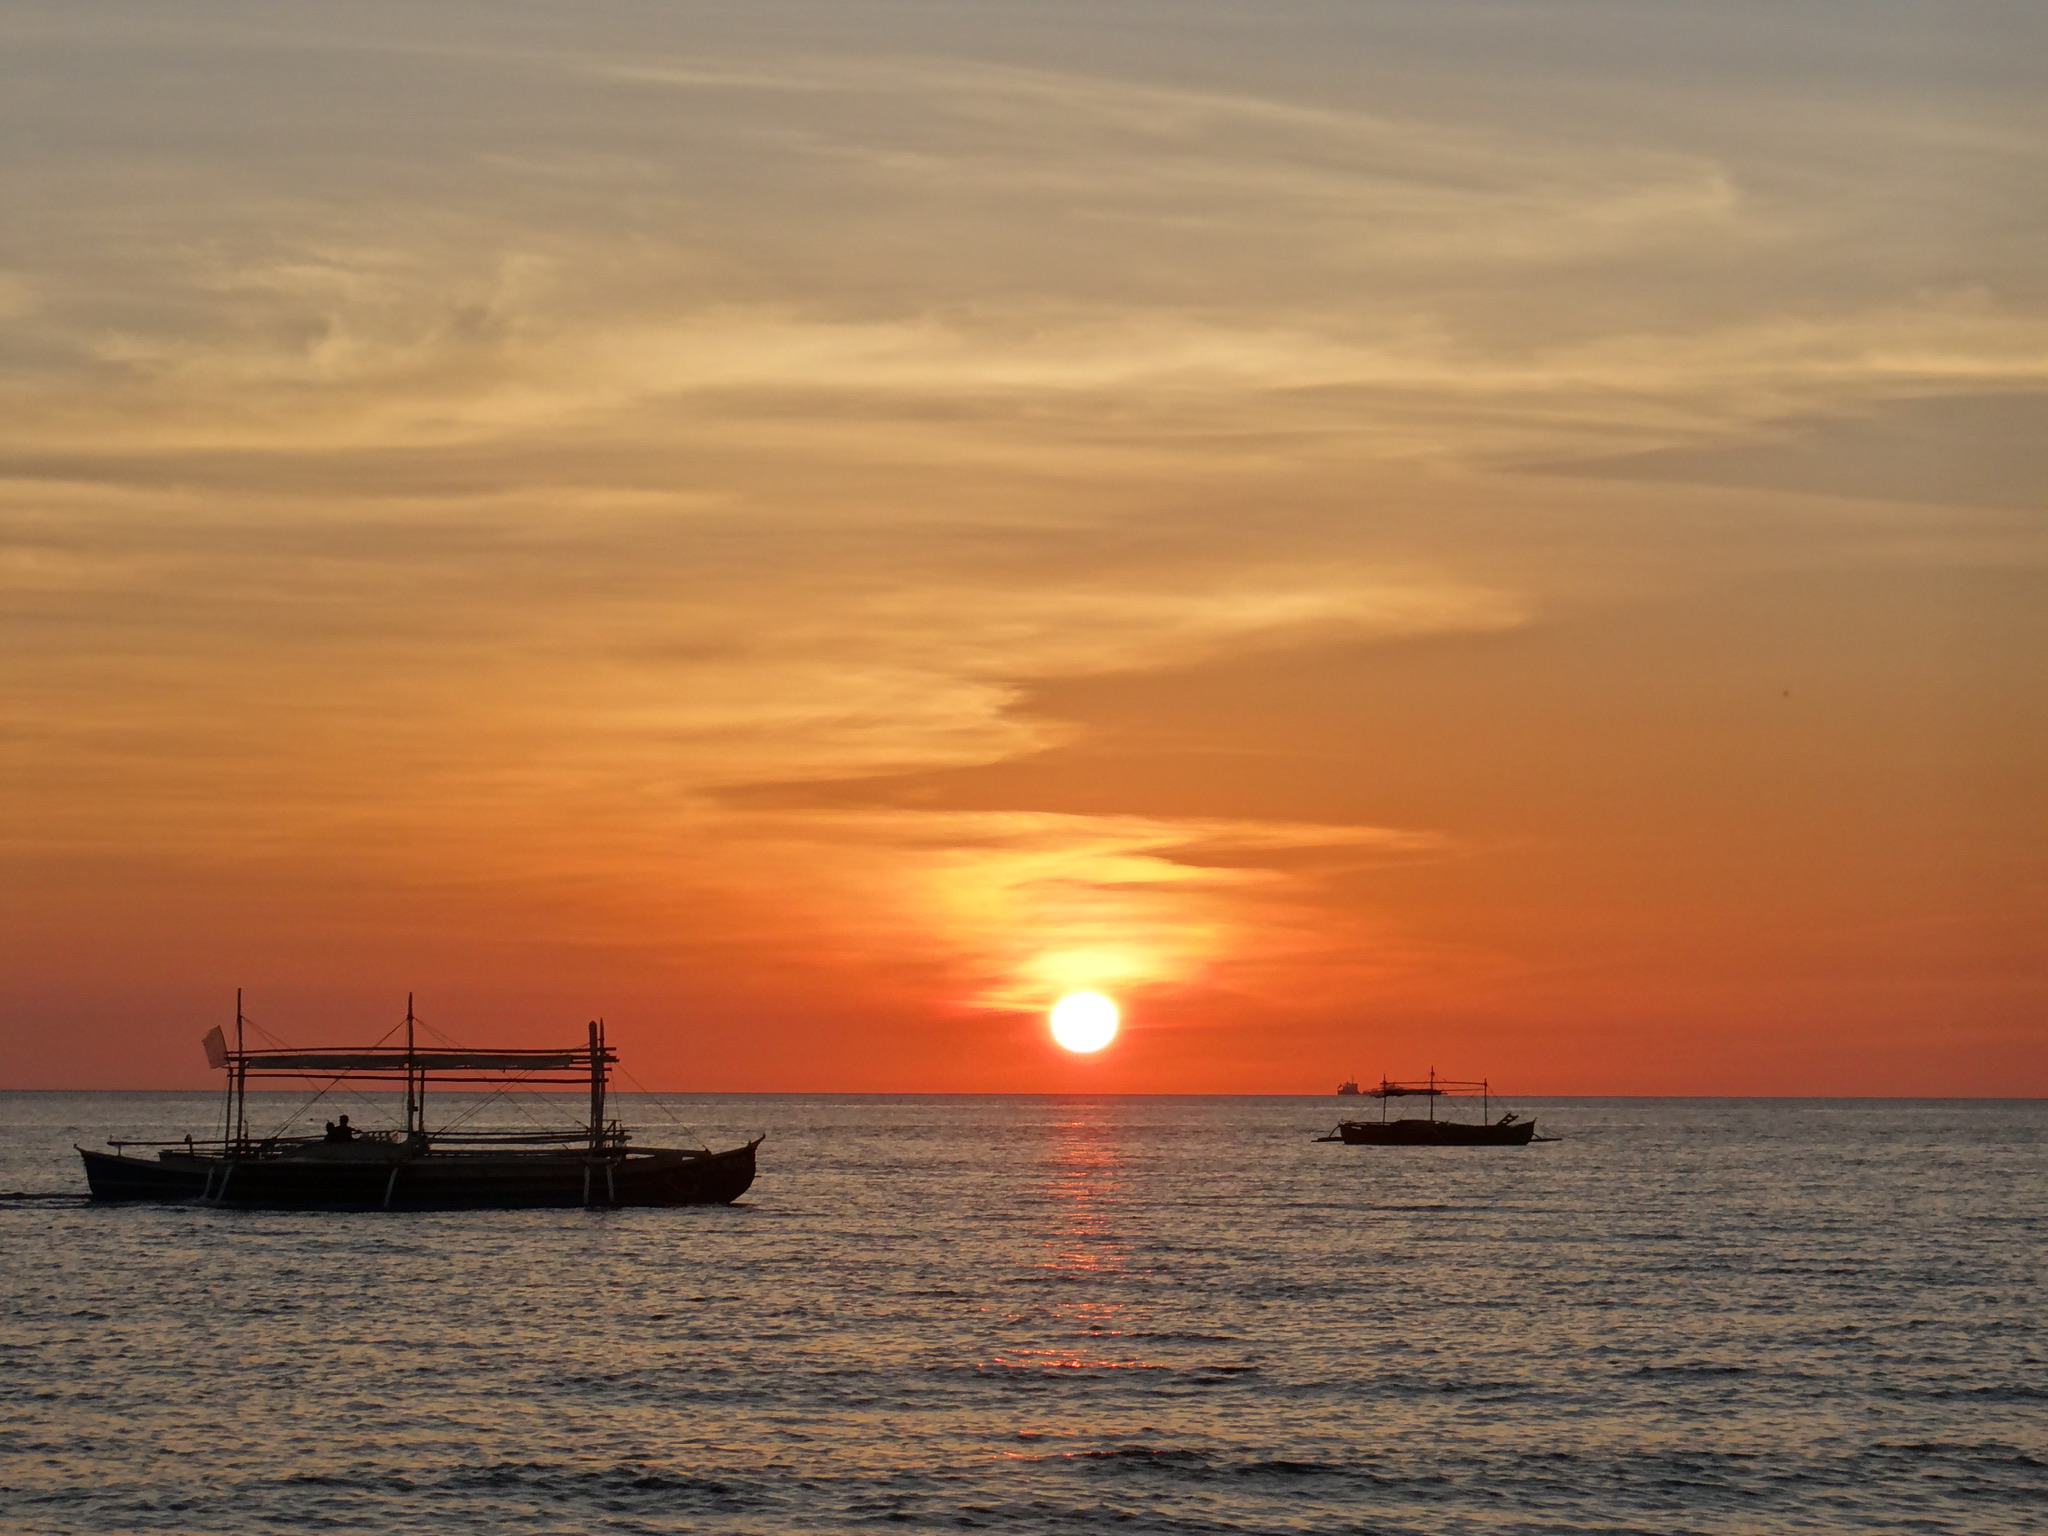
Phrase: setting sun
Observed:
(1084, 1021)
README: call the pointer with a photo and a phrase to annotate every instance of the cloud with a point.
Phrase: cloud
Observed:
(492, 486)
(978, 253)
(1036, 904)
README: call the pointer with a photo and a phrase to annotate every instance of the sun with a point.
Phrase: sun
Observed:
(1084, 1021)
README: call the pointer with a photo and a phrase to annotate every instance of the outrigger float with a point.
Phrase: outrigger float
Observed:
(1510, 1130)
(417, 1168)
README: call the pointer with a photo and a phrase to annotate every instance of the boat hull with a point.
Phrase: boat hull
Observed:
(400, 1180)
(1434, 1133)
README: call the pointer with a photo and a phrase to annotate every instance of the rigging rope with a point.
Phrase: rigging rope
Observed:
(676, 1120)
(292, 1119)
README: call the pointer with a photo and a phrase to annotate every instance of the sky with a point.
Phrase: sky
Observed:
(1509, 538)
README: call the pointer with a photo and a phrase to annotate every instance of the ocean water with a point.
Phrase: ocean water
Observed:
(1067, 1315)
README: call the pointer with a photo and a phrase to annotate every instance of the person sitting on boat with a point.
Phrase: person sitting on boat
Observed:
(340, 1130)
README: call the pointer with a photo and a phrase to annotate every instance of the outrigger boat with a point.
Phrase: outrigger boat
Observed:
(1510, 1130)
(417, 1168)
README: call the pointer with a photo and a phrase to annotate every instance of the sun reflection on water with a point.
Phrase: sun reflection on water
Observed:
(1083, 1247)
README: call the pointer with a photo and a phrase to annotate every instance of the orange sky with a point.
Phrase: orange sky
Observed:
(1379, 535)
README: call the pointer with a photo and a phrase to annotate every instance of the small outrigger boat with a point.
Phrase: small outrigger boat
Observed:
(417, 1168)
(1510, 1130)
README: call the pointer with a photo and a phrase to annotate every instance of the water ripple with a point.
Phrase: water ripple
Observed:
(1039, 1316)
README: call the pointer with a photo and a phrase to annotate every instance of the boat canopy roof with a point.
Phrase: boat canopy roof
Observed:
(409, 1061)
(397, 1057)
(1432, 1088)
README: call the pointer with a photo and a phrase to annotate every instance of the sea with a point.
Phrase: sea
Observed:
(1055, 1315)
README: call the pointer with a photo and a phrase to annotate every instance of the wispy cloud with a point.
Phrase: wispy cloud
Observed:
(1008, 247)
(1036, 904)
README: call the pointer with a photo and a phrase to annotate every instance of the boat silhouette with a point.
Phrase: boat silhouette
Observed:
(1510, 1130)
(418, 1168)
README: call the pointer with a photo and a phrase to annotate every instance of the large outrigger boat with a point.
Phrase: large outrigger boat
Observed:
(1510, 1130)
(417, 1168)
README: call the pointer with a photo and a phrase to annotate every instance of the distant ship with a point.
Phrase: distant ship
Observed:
(1510, 1130)
(1348, 1087)
(419, 1169)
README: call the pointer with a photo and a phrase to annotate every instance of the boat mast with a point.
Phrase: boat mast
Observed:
(238, 1079)
(596, 1086)
(415, 1106)
(227, 1103)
